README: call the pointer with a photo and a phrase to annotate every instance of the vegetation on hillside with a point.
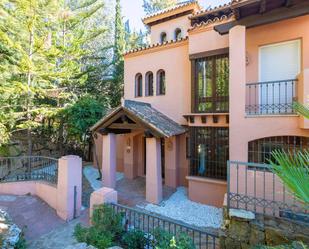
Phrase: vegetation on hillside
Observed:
(61, 68)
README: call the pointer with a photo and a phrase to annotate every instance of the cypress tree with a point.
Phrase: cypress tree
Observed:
(116, 88)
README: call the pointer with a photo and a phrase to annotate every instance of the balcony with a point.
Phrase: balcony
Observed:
(271, 98)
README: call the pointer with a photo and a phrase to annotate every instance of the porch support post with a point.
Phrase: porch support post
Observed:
(130, 169)
(109, 160)
(154, 171)
(238, 139)
(171, 162)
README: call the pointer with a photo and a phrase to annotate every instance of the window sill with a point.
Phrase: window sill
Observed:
(270, 115)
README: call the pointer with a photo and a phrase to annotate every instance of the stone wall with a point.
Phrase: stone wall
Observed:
(243, 229)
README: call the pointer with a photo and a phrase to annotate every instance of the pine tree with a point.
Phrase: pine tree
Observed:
(44, 45)
(116, 87)
(151, 6)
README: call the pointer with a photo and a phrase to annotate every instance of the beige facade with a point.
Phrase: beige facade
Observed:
(209, 76)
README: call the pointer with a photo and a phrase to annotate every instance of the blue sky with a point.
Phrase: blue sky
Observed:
(133, 10)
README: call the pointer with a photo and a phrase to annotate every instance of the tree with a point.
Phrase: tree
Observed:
(116, 86)
(133, 38)
(151, 6)
(293, 168)
(45, 50)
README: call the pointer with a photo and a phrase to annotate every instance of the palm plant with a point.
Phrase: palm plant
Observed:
(293, 168)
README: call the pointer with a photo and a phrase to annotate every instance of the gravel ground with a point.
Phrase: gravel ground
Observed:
(92, 175)
(179, 207)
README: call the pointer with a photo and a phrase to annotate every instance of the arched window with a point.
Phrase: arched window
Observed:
(138, 85)
(259, 151)
(161, 82)
(149, 84)
(163, 37)
(178, 34)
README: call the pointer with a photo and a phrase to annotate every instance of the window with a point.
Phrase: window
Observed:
(209, 152)
(161, 82)
(211, 90)
(178, 34)
(163, 37)
(138, 85)
(149, 84)
(259, 151)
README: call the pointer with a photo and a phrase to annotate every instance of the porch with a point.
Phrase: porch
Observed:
(149, 147)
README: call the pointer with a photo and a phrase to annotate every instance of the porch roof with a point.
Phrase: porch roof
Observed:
(134, 115)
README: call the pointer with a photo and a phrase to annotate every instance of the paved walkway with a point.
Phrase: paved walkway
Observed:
(42, 227)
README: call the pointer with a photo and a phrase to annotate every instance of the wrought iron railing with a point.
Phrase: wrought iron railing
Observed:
(148, 223)
(25, 168)
(271, 98)
(254, 187)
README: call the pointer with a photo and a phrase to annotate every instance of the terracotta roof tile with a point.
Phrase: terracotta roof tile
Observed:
(170, 9)
(157, 45)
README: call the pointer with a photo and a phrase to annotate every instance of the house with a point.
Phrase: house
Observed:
(214, 85)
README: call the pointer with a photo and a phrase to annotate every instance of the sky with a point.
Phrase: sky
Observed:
(133, 10)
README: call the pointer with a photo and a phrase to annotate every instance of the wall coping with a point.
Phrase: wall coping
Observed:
(206, 180)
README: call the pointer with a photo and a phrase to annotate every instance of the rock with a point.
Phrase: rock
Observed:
(274, 237)
(241, 214)
(9, 232)
(80, 246)
(232, 244)
(239, 230)
(257, 236)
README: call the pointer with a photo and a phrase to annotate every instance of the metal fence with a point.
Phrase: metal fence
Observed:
(148, 223)
(272, 97)
(254, 187)
(28, 168)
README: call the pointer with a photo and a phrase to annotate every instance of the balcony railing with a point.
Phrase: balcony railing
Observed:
(271, 98)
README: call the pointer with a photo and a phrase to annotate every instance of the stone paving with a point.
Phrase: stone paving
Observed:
(42, 227)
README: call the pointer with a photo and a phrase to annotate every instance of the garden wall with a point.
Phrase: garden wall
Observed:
(244, 229)
(64, 197)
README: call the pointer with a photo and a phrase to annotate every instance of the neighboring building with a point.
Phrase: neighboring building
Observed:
(214, 85)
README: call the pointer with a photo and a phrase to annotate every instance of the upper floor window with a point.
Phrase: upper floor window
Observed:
(163, 37)
(211, 84)
(138, 85)
(178, 34)
(149, 84)
(161, 82)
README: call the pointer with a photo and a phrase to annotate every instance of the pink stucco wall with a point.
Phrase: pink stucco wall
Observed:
(175, 61)
(60, 196)
(206, 40)
(169, 28)
(45, 191)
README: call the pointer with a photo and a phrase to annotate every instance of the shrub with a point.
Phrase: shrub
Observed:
(134, 240)
(92, 236)
(106, 228)
(164, 240)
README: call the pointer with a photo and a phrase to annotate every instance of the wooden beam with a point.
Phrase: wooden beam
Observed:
(125, 126)
(106, 131)
(263, 6)
(288, 3)
(209, 53)
(276, 15)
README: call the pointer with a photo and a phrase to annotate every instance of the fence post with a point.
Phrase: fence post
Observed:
(228, 185)
(69, 181)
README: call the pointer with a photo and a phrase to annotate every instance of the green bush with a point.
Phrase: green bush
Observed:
(164, 240)
(294, 245)
(134, 240)
(106, 228)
